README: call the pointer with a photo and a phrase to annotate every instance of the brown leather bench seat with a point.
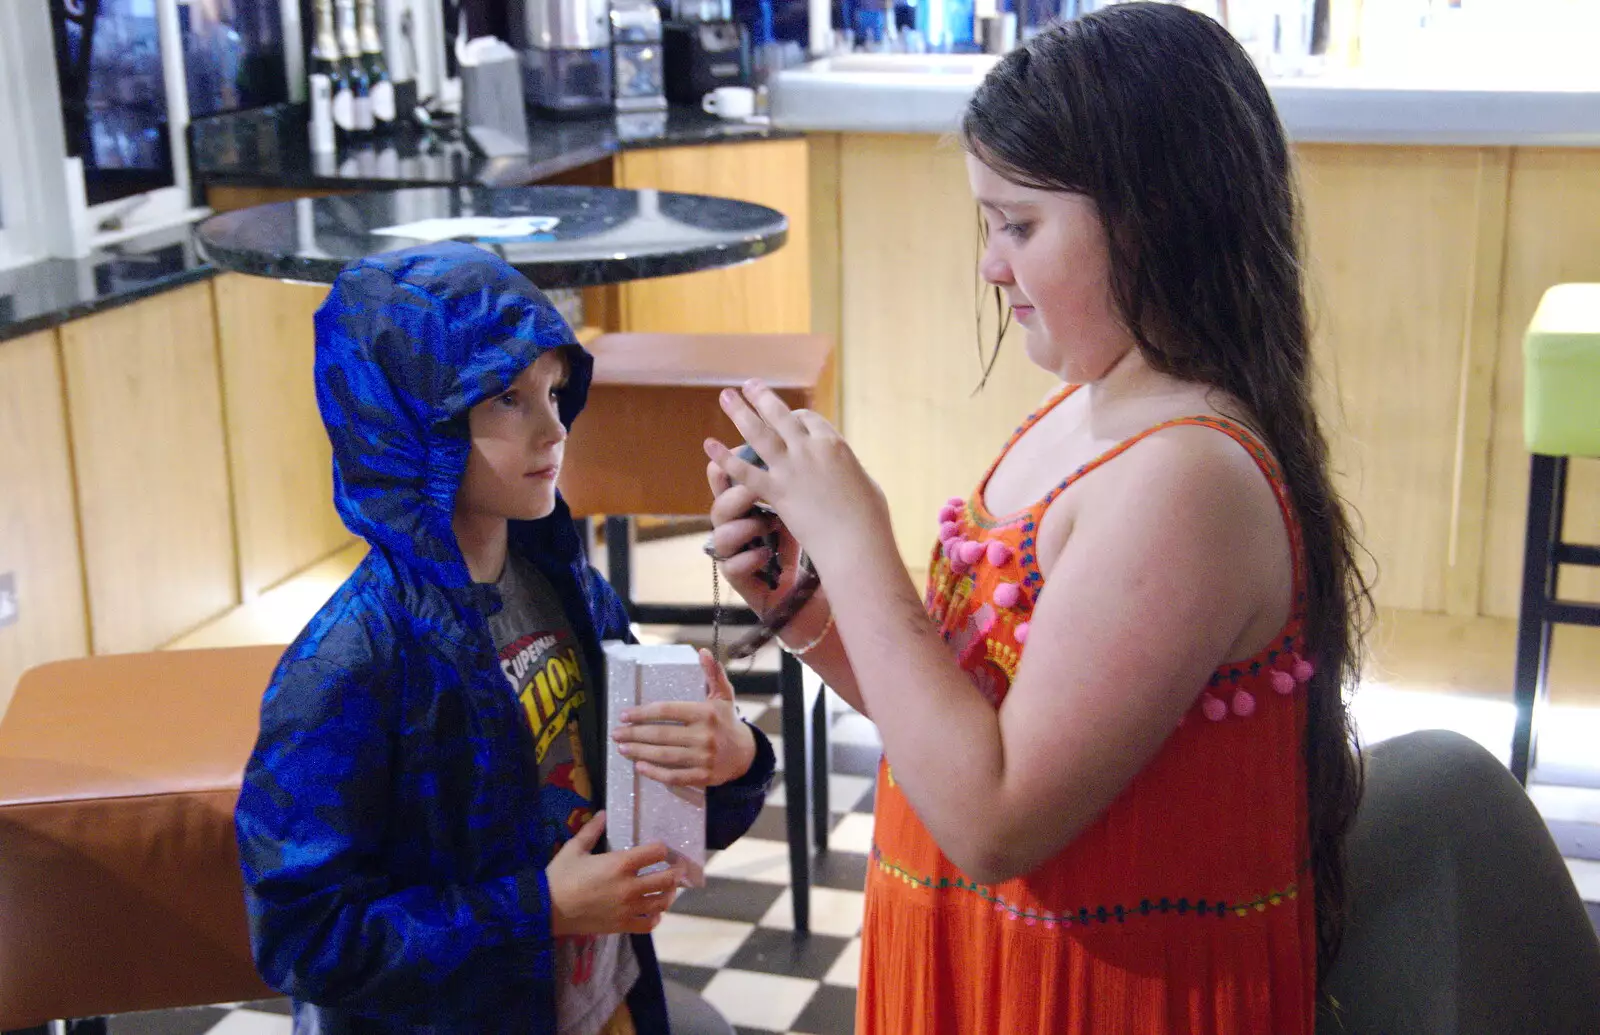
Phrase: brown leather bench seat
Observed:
(119, 874)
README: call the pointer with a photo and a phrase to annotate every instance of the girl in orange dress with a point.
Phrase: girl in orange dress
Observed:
(1118, 766)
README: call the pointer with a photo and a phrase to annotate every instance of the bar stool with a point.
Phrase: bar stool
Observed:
(1560, 420)
(637, 451)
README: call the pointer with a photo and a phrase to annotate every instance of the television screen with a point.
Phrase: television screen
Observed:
(113, 95)
(113, 88)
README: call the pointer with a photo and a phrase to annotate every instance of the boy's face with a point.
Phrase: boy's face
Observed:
(517, 443)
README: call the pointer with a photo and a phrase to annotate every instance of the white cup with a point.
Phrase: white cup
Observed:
(730, 102)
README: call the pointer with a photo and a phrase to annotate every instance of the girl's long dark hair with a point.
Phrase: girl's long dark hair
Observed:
(1158, 115)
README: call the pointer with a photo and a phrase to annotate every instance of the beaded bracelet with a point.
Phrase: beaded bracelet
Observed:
(800, 652)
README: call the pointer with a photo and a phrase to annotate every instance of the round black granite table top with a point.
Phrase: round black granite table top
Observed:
(558, 236)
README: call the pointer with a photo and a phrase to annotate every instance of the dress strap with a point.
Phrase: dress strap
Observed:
(1022, 429)
(1245, 438)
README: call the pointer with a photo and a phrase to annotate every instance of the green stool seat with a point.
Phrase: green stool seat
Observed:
(1560, 421)
(1561, 373)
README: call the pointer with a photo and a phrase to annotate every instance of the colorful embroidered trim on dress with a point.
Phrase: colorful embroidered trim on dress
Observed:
(1085, 916)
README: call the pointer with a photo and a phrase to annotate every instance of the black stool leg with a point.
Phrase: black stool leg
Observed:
(619, 569)
(1547, 482)
(821, 820)
(584, 527)
(792, 691)
(81, 1026)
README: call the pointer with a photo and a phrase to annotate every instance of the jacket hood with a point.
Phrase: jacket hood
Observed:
(406, 343)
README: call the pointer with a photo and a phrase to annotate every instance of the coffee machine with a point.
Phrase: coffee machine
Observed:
(564, 47)
(705, 48)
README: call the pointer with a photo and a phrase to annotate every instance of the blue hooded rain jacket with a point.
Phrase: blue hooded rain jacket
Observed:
(389, 825)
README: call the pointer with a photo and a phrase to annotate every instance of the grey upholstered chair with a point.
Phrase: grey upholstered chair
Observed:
(1463, 918)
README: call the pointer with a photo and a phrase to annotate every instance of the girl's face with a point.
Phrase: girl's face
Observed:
(1047, 251)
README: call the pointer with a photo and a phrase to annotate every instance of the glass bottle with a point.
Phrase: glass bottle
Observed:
(360, 85)
(332, 103)
(380, 86)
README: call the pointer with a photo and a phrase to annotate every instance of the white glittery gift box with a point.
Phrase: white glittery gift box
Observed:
(640, 810)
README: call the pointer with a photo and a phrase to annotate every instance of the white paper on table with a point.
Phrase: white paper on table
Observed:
(640, 810)
(479, 228)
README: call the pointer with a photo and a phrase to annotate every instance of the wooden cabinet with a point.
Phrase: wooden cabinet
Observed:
(39, 567)
(278, 452)
(145, 411)
(771, 294)
(1395, 246)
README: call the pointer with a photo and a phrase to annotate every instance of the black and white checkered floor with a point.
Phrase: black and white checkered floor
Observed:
(733, 941)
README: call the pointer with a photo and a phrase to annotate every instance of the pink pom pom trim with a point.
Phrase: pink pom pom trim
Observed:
(1282, 682)
(1213, 708)
(1303, 670)
(948, 529)
(999, 553)
(948, 513)
(1243, 704)
(956, 501)
(1021, 632)
(1007, 594)
(970, 552)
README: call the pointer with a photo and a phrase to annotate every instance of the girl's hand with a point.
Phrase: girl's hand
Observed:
(690, 743)
(813, 479)
(736, 542)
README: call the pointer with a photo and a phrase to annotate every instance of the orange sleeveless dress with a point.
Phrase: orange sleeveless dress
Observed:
(1185, 908)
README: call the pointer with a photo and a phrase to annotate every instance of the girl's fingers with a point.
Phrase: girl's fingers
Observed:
(814, 422)
(719, 481)
(766, 442)
(773, 410)
(731, 539)
(739, 471)
(733, 504)
(745, 564)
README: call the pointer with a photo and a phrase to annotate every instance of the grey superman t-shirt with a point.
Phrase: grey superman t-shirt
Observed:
(543, 662)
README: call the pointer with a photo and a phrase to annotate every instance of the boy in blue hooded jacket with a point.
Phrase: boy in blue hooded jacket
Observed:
(416, 834)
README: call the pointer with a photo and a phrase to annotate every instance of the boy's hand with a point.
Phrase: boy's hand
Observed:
(707, 747)
(604, 894)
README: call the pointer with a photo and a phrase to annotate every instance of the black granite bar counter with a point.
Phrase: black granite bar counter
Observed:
(41, 295)
(270, 147)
